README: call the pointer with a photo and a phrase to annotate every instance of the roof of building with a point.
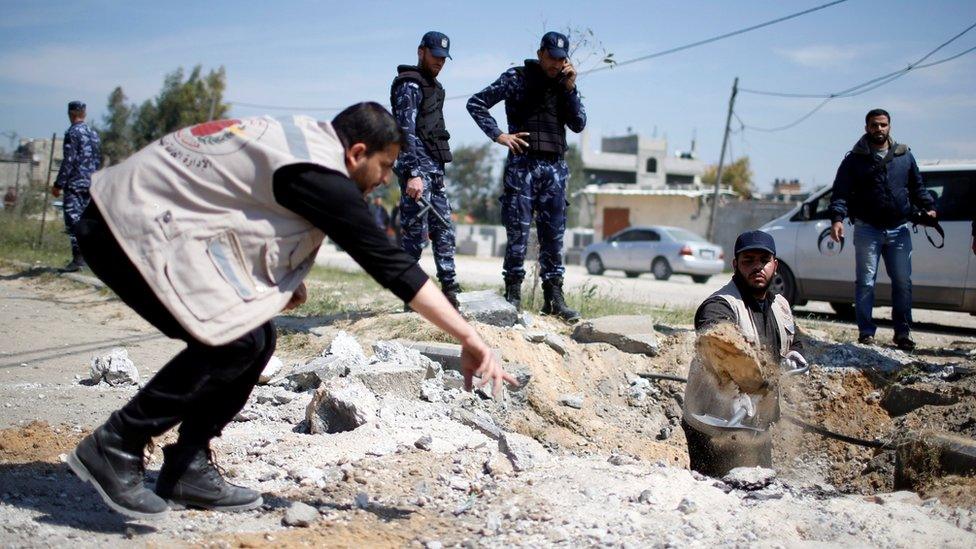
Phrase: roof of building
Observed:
(691, 193)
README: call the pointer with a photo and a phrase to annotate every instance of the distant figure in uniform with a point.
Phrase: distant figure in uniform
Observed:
(418, 105)
(380, 214)
(208, 234)
(10, 198)
(541, 100)
(82, 157)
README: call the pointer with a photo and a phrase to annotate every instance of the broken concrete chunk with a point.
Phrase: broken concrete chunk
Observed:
(424, 443)
(345, 347)
(402, 379)
(573, 401)
(394, 351)
(899, 400)
(631, 334)
(524, 452)
(488, 307)
(115, 369)
(749, 478)
(300, 514)
(314, 372)
(270, 370)
(340, 405)
(534, 337)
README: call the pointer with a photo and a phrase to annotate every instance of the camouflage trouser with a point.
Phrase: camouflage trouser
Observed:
(74, 199)
(414, 231)
(534, 185)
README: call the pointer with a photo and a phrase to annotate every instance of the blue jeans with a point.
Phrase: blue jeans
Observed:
(895, 246)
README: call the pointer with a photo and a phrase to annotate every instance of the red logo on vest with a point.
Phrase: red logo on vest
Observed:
(210, 128)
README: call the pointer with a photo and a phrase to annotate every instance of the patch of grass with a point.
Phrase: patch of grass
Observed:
(592, 303)
(334, 291)
(18, 240)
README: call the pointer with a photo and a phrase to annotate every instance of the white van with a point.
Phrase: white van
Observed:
(814, 267)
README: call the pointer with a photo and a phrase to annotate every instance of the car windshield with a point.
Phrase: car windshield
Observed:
(683, 235)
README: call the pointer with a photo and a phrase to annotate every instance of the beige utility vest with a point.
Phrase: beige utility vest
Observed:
(705, 395)
(196, 214)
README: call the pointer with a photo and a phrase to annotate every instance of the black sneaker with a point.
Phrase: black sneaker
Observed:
(866, 340)
(116, 473)
(189, 478)
(905, 342)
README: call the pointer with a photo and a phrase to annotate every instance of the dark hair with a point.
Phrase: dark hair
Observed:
(876, 112)
(368, 123)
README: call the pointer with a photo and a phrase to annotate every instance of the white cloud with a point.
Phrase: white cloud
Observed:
(822, 56)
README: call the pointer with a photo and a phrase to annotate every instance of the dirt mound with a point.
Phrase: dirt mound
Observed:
(36, 441)
(726, 353)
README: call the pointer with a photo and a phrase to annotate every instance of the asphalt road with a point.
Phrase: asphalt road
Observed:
(679, 291)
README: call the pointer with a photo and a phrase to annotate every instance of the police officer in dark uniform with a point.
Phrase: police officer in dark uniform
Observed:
(418, 105)
(82, 157)
(541, 100)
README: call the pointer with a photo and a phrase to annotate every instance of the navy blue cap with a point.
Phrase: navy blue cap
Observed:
(755, 240)
(438, 43)
(556, 44)
(76, 106)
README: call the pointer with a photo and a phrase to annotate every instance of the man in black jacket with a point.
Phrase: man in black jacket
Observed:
(877, 186)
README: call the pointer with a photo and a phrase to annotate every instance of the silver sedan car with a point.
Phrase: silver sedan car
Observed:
(659, 250)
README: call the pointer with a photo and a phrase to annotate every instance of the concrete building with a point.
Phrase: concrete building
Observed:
(787, 190)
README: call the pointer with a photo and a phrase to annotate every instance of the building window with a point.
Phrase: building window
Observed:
(652, 165)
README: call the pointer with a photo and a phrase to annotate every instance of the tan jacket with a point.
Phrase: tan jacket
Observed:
(196, 214)
(705, 394)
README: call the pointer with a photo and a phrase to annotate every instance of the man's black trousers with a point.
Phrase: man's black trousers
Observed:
(203, 387)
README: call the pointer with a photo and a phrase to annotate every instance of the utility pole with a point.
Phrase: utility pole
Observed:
(213, 107)
(721, 161)
(47, 189)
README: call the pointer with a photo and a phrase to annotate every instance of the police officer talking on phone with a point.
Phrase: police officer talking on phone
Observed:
(541, 101)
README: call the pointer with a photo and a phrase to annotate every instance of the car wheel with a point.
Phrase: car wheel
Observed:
(700, 279)
(661, 269)
(844, 310)
(632, 274)
(594, 265)
(784, 283)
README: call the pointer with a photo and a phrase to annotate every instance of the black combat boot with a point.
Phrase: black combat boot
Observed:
(76, 264)
(451, 291)
(189, 478)
(552, 291)
(115, 468)
(513, 292)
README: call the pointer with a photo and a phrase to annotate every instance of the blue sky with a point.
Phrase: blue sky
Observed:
(324, 54)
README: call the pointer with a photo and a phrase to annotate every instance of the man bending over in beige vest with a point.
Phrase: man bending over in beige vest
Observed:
(207, 233)
(726, 420)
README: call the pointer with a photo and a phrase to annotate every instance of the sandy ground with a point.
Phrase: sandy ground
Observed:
(612, 473)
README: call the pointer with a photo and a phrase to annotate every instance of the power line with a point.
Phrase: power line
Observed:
(713, 39)
(863, 87)
(896, 73)
(601, 68)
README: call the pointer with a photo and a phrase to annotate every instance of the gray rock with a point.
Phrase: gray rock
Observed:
(488, 307)
(534, 337)
(115, 369)
(573, 401)
(309, 474)
(271, 369)
(749, 478)
(483, 424)
(646, 497)
(340, 405)
(525, 319)
(432, 390)
(557, 343)
(300, 514)
(424, 443)
(631, 334)
(362, 500)
(620, 459)
(524, 452)
(687, 506)
(452, 380)
(397, 352)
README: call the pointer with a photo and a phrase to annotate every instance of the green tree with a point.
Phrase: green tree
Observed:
(737, 175)
(181, 102)
(116, 133)
(577, 180)
(473, 183)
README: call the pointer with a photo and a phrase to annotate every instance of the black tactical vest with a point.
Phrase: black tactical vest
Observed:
(540, 112)
(431, 129)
